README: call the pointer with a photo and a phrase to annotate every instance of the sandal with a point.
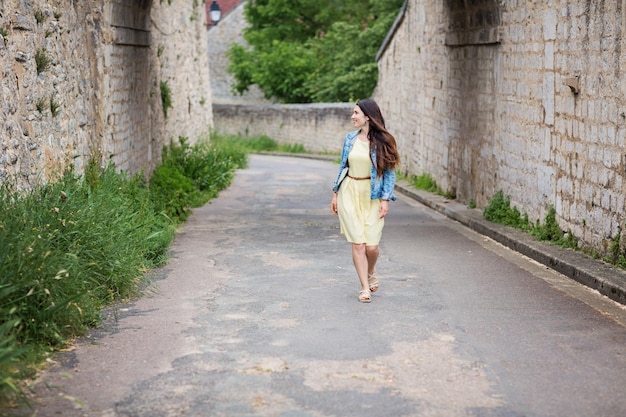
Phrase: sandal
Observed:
(365, 296)
(372, 280)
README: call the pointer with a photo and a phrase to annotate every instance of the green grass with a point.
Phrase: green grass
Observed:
(42, 60)
(427, 183)
(263, 144)
(41, 104)
(55, 107)
(77, 244)
(40, 16)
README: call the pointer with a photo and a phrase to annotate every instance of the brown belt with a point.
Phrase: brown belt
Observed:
(359, 178)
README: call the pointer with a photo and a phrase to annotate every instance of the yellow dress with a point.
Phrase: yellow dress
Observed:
(359, 219)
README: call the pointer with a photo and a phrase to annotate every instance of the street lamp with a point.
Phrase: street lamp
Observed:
(215, 12)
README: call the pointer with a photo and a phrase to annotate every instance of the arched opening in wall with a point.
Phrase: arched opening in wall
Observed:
(472, 22)
(472, 40)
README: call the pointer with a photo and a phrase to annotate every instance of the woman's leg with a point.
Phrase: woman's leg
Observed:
(359, 258)
(371, 252)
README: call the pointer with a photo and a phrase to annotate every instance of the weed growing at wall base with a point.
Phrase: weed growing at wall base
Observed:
(499, 210)
(427, 183)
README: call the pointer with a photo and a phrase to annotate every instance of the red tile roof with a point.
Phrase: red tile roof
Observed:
(225, 5)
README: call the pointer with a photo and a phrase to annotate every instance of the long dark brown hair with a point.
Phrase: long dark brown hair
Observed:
(387, 156)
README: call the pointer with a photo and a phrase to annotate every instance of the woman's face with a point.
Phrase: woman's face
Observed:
(358, 118)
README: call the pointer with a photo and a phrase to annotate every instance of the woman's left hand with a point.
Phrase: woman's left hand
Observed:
(383, 209)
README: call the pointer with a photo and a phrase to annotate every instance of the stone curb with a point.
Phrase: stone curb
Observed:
(598, 275)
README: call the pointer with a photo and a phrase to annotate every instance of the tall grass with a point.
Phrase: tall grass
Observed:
(71, 247)
(68, 250)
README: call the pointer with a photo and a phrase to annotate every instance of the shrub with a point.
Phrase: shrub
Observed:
(189, 176)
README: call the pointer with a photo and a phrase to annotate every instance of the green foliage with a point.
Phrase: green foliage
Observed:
(166, 97)
(616, 254)
(189, 176)
(550, 229)
(42, 60)
(292, 148)
(10, 354)
(171, 192)
(425, 182)
(4, 33)
(345, 73)
(312, 50)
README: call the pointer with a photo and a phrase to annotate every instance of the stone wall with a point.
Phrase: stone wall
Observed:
(528, 98)
(97, 88)
(318, 127)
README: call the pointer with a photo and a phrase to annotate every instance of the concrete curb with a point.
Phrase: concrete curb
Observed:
(598, 275)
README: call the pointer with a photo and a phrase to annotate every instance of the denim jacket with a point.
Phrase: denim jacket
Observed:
(381, 187)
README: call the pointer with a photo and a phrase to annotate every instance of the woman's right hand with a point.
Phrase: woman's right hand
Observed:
(333, 204)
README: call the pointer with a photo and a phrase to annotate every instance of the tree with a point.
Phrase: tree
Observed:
(312, 50)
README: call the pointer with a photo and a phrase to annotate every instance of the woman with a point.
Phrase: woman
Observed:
(361, 199)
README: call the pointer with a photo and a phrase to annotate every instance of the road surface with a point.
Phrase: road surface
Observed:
(257, 314)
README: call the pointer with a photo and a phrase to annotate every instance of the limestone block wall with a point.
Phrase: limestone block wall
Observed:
(179, 40)
(318, 127)
(50, 114)
(83, 78)
(530, 100)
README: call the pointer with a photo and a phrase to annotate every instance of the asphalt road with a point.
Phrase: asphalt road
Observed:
(257, 314)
